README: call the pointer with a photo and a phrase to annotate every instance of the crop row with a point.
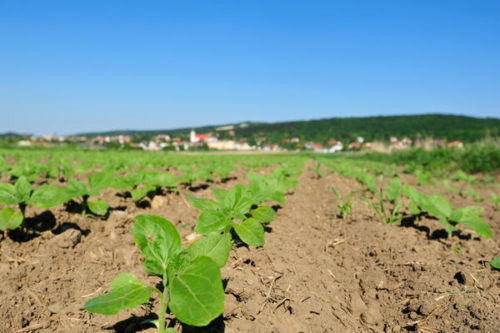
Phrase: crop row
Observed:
(191, 280)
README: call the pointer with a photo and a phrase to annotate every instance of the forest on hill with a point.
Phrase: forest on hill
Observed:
(449, 127)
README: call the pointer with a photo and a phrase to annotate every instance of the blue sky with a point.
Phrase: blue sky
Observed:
(76, 66)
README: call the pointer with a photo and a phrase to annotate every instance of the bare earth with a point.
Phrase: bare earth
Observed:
(316, 272)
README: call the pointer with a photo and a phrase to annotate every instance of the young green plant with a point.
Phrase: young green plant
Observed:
(78, 189)
(386, 216)
(191, 280)
(393, 192)
(441, 208)
(22, 194)
(344, 207)
(232, 207)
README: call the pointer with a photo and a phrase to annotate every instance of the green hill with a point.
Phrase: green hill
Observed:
(448, 127)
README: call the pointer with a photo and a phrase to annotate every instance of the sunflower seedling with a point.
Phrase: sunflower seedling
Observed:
(441, 208)
(191, 285)
(233, 205)
(22, 195)
(18, 194)
(78, 189)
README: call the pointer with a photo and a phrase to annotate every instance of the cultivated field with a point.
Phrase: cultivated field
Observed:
(255, 243)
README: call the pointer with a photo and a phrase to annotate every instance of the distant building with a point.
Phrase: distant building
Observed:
(456, 144)
(195, 138)
(336, 147)
(222, 145)
(225, 128)
(24, 143)
(407, 141)
(354, 145)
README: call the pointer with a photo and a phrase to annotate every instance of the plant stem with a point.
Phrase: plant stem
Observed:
(22, 208)
(84, 205)
(164, 299)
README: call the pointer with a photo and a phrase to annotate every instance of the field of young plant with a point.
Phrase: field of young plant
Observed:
(109, 241)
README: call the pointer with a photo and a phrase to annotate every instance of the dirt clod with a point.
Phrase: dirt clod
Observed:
(68, 239)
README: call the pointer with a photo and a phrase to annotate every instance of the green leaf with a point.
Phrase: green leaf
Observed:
(250, 231)
(413, 208)
(459, 213)
(165, 179)
(10, 219)
(495, 263)
(127, 292)
(121, 183)
(436, 205)
(395, 217)
(237, 202)
(197, 295)
(8, 194)
(77, 188)
(264, 214)
(215, 246)
(138, 194)
(475, 223)
(264, 188)
(211, 221)
(100, 180)
(158, 240)
(369, 181)
(393, 190)
(23, 189)
(202, 204)
(278, 196)
(337, 194)
(414, 195)
(219, 193)
(68, 169)
(98, 207)
(177, 264)
(47, 196)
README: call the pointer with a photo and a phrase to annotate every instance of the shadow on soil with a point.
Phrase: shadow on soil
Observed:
(45, 221)
(198, 187)
(217, 325)
(34, 226)
(69, 225)
(134, 324)
(409, 222)
(228, 179)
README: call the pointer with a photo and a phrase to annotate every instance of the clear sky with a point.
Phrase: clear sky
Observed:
(76, 66)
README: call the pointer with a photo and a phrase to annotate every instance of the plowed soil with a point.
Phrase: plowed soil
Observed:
(316, 273)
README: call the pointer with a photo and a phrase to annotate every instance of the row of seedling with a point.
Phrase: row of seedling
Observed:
(191, 287)
(419, 204)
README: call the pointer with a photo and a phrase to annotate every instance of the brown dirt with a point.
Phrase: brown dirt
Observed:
(316, 272)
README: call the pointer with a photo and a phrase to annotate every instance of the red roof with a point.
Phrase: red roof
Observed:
(203, 137)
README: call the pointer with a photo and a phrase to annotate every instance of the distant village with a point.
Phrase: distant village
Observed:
(228, 142)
